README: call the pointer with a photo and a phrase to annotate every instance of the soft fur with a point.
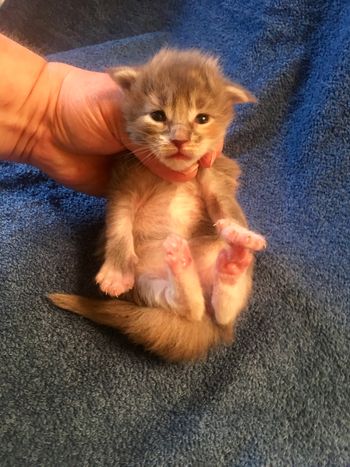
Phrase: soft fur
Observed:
(180, 254)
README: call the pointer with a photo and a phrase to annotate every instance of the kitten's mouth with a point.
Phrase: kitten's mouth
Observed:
(180, 161)
(179, 156)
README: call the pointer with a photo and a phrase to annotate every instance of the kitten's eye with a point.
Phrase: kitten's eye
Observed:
(202, 118)
(158, 116)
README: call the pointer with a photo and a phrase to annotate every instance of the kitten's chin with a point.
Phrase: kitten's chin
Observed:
(180, 163)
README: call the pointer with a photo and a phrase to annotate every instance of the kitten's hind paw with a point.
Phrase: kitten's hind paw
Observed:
(177, 253)
(231, 262)
(113, 282)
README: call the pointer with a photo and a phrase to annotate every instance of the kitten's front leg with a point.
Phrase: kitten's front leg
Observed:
(236, 234)
(113, 281)
(116, 275)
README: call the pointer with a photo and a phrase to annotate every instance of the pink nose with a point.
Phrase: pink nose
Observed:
(178, 143)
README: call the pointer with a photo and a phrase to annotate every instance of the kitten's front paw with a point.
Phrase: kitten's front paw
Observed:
(235, 234)
(114, 282)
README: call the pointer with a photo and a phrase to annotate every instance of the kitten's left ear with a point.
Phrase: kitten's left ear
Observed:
(238, 94)
(125, 76)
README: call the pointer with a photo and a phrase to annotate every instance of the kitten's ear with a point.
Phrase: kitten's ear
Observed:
(125, 76)
(238, 94)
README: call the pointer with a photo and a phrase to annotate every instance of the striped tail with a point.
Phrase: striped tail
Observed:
(160, 331)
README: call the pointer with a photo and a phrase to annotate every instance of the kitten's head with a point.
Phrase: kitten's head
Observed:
(178, 105)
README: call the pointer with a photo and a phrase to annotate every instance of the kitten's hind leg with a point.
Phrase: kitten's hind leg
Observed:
(233, 270)
(181, 292)
(232, 283)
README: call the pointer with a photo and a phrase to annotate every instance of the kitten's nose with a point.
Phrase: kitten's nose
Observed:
(179, 135)
(179, 142)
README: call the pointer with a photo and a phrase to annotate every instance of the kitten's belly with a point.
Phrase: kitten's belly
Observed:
(175, 210)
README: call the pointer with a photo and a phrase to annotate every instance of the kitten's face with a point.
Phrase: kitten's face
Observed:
(178, 106)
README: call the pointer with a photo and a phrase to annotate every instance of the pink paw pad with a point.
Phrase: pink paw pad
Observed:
(232, 262)
(177, 253)
(235, 234)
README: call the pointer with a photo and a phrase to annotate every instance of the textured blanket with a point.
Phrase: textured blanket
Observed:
(73, 393)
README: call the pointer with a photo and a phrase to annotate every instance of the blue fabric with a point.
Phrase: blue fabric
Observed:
(73, 393)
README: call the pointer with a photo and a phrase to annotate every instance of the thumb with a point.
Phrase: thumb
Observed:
(209, 158)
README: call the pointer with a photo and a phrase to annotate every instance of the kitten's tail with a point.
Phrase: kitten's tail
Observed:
(161, 331)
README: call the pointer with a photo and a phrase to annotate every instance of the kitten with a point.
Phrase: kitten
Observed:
(179, 253)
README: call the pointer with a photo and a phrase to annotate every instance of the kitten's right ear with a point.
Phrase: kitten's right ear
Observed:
(238, 94)
(125, 76)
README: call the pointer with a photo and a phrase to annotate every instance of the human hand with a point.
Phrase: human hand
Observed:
(66, 121)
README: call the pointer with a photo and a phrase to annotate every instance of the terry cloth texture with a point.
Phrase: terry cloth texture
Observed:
(73, 393)
(51, 26)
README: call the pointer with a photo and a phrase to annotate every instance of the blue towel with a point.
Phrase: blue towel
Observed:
(73, 393)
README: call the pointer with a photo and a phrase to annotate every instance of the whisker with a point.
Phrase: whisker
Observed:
(141, 153)
(148, 158)
(141, 149)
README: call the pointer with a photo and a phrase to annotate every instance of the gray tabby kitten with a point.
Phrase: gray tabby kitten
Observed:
(180, 255)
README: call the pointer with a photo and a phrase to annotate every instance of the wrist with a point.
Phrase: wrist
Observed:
(25, 100)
